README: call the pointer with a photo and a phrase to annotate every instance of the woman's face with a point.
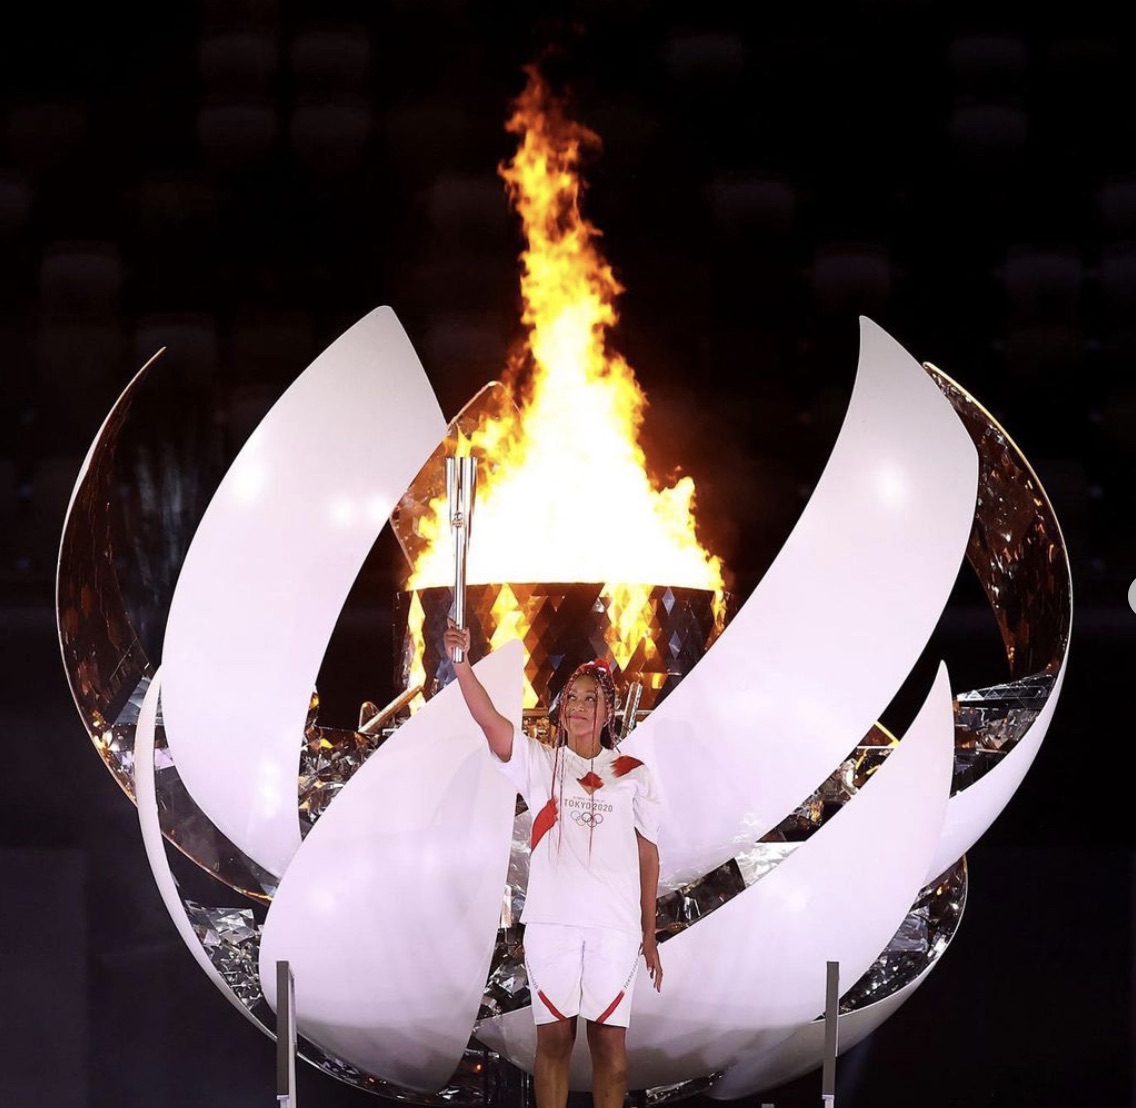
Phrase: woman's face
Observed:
(585, 711)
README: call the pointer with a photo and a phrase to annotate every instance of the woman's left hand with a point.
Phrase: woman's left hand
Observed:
(654, 964)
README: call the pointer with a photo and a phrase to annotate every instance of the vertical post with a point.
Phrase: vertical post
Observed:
(461, 488)
(285, 1036)
(831, 1046)
(630, 708)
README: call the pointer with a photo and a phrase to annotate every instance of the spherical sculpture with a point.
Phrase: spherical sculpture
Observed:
(418, 854)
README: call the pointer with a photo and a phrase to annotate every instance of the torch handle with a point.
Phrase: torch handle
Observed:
(461, 491)
(459, 584)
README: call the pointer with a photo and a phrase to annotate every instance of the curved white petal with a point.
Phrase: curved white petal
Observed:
(973, 809)
(389, 913)
(269, 568)
(147, 800)
(817, 652)
(804, 1049)
(748, 976)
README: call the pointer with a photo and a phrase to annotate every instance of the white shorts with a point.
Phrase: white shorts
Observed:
(581, 971)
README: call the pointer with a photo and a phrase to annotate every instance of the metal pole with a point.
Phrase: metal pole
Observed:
(374, 723)
(285, 1036)
(831, 1045)
(630, 708)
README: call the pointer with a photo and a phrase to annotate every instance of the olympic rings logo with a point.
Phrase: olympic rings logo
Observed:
(588, 818)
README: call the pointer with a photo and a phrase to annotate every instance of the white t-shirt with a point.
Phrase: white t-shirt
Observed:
(584, 867)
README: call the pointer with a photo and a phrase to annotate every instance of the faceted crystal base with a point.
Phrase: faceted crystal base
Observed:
(649, 633)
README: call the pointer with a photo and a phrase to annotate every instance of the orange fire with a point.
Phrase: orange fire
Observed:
(564, 494)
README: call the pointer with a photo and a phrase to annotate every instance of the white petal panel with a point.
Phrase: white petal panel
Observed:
(804, 1049)
(746, 977)
(976, 807)
(270, 567)
(147, 800)
(817, 652)
(389, 914)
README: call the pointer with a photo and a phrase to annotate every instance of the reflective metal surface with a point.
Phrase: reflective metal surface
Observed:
(1016, 548)
(102, 655)
(990, 722)
(668, 1094)
(1018, 554)
(917, 945)
(126, 527)
(329, 758)
(231, 938)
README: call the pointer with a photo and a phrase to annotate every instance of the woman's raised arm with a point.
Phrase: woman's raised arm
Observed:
(498, 730)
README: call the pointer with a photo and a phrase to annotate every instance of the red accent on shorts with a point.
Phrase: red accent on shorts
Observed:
(591, 781)
(552, 1007)
(624, 764)
(612, 1006)
(545, 819)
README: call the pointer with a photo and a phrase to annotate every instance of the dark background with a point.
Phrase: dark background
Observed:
(241, 181)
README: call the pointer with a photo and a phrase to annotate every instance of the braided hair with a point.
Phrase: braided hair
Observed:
(600, 672)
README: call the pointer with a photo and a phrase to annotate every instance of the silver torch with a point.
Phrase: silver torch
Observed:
(461, 489)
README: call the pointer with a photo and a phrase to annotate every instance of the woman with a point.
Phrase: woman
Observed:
(593, 877)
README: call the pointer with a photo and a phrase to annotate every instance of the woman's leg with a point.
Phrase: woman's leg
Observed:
(554, 1043)
(609, 1064)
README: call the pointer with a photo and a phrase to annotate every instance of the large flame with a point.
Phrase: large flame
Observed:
(565, 495)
